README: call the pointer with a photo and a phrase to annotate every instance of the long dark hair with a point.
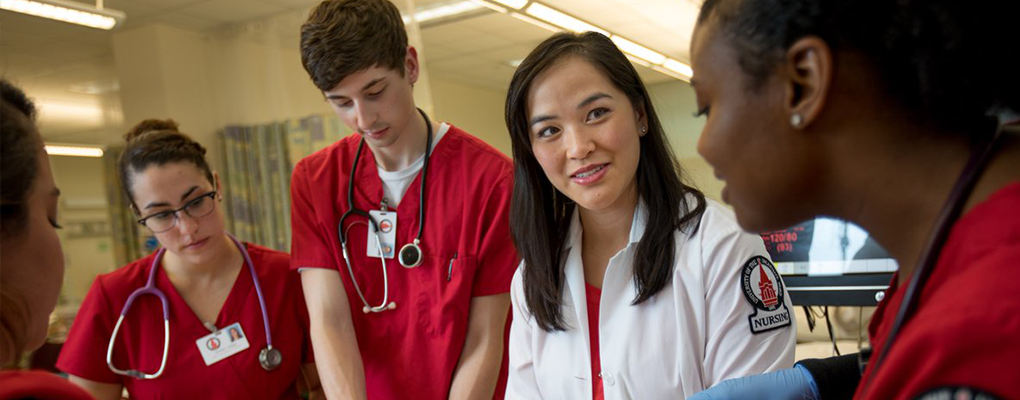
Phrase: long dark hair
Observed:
(540, 214)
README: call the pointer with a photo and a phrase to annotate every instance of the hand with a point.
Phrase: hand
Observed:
(787, 384)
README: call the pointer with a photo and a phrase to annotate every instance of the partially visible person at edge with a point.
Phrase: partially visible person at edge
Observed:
(209, 284)
(432, 331)
(31, 260)
(872, 111)
(633, 285)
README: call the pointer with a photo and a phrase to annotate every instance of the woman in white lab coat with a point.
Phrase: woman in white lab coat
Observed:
(632, 284)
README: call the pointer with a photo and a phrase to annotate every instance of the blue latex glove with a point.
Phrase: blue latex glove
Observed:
(787, 384)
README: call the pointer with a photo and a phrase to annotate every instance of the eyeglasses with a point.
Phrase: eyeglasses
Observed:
(196, 208)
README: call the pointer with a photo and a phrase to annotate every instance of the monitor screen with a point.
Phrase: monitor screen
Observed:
(827, 261)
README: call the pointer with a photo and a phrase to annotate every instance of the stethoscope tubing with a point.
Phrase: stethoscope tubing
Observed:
(386, 304)
(151, 289)
(943, 225)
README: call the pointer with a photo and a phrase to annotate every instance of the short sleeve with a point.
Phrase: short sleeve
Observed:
(309, 244)
(497, 257)
(84, 352)
(733, 349)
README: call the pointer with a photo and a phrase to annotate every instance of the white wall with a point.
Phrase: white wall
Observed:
(477, 110)
(675, 104)
(82, 206)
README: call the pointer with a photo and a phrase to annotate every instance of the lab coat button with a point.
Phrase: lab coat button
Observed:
(607, 378)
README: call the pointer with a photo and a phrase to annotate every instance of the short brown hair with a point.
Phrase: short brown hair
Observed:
(342, 37)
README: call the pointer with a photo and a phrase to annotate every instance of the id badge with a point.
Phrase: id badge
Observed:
(222, 344)
(387, 221)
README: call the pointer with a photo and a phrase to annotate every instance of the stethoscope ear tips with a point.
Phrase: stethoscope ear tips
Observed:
(392, 305)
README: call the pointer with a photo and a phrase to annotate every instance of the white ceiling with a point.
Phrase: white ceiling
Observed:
(49, 58)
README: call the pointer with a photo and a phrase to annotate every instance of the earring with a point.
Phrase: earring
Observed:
(644, 129)
(796, 120)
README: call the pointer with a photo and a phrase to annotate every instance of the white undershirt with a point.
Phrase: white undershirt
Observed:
(395, 183)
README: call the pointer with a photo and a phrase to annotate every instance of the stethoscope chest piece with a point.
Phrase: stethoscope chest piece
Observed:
(270, 358)
(410, 255)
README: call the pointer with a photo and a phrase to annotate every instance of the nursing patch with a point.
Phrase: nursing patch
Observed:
(763, 288)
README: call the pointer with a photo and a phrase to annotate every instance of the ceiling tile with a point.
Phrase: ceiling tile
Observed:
(232, 11)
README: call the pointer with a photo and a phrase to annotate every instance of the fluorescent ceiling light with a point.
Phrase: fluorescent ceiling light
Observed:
(638, 61)
(514, 4)
(552, 16)
(445, 10)
(491, 6)
(533, 21)
(678, 67)
(74, 150)
(671, 73)
(638, 50)
(66, 11)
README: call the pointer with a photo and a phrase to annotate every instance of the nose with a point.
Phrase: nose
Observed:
(186, 224)
(578, 142)
(366, 116)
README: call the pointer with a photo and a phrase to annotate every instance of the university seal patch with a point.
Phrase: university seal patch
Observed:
(763, 288)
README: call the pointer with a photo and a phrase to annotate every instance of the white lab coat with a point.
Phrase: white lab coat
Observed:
(688, 337)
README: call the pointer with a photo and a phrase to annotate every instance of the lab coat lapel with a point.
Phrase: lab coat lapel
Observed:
(574, 273)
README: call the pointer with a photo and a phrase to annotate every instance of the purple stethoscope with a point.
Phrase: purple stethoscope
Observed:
(269, 358)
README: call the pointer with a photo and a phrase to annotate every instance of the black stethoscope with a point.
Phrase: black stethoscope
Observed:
(943, 225)
(410, 254)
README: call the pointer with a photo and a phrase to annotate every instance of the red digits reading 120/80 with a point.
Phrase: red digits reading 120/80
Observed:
(781, 241)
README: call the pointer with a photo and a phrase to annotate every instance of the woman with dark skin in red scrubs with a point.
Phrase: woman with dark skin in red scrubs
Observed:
(893, 115)
(32, 264)
(207, 279)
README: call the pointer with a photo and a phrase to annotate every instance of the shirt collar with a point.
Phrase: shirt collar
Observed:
(637, 226)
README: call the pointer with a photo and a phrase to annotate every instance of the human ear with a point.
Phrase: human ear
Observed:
(808, 72)
(641, 118)
(411, 67)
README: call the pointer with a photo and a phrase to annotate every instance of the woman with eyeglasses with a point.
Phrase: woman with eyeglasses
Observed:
(182, 350)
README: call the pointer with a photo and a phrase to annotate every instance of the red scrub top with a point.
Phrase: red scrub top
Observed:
(40, 385)
(966, 328)
(139, 343)
(593, 296)
(411, 352)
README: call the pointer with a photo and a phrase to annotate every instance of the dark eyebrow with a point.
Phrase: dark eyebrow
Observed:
(165, 204)
(592, 98)
(189, 192)
(540, 118)
(372, 83)
(585, 102)
(367, 85)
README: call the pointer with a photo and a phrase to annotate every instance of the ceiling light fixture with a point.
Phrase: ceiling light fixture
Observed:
(546, 17)
(561, 19)
(67, 11)
(638, 50)
(514, 4)
(537, 22)
(445, 10)
(75, 150)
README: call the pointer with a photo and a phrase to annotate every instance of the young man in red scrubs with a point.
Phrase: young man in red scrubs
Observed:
(380, 329)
